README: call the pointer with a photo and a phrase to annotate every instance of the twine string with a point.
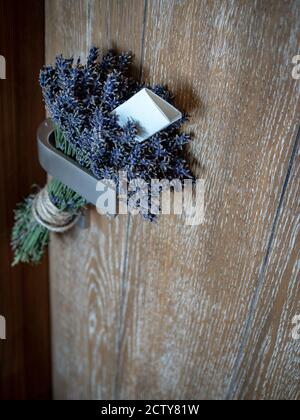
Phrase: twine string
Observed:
(49, 216)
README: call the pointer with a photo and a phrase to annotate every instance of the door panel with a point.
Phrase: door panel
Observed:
(173, 311)
(87, 278)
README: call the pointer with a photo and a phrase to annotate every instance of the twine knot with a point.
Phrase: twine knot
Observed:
(49, 216)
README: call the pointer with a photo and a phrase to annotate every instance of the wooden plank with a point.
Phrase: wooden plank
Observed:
(66, 29)
(25, 355)
(189, 291)
(87, 267)
(163, 311)
(268, 366)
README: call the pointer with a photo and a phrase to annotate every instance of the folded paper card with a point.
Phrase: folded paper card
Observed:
(149, 111)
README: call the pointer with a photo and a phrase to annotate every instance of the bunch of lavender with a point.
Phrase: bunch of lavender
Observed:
(80, 100)
(29, 238)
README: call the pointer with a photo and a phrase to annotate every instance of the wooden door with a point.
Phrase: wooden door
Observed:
(167, 311)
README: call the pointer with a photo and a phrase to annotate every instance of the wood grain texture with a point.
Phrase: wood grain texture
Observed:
(192, 290)
(268, 365)
(86, 309)
(24, 297)
(87, 269)
(167, 310)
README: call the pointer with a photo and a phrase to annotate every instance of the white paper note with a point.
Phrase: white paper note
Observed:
(149, 111)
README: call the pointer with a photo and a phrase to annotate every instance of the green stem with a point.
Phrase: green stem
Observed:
(30, 239)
